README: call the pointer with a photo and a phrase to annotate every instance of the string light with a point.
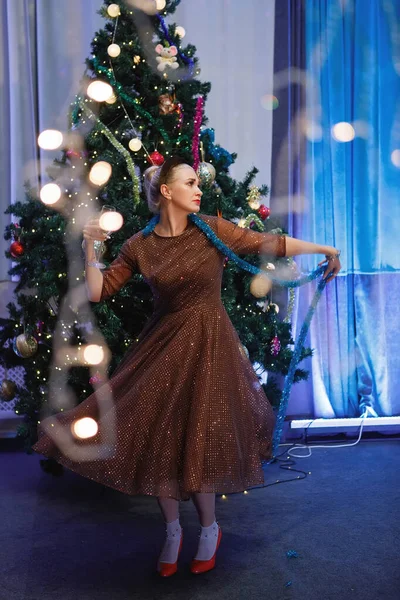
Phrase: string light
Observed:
(135, 144)
(99, 91)
(84, 428)
(113, 50)
(343, 132)
(50, 139)
(100, 173)
(114, 10)
(180, 31)
(50, 193)
(93, 354)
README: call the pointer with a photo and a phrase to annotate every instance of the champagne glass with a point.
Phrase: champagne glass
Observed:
(99, 246)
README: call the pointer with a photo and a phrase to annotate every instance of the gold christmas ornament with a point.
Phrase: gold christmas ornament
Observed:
(8, 389)
(25, 345)
(206, 173)
(253, 197)
(260, 286)
(136, 59)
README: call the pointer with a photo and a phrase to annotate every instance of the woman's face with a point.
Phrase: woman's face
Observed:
(183, 190)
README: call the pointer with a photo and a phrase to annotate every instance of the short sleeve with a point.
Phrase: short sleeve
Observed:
(243, 240)
(120, 271)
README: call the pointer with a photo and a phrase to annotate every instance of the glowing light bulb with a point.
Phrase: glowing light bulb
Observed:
(114, 50)
(114, 10)
(112, 99)
(50, 193)
(343, 132)
(160, 4)
(100, 173)
(50, 139)
(93, 354)
(180, 31)
(395, 156)
(99, 91)
(84, 428)
(111, 221)
(135, 144)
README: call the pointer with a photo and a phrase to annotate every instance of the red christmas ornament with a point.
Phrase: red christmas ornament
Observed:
(17, 249)
(264, 211)
(155, 158)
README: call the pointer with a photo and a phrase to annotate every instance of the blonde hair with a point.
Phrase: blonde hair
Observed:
(152, 189)
(154, 177)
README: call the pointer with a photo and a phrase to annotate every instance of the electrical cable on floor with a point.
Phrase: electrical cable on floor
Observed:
(287, 463)
(308, 447)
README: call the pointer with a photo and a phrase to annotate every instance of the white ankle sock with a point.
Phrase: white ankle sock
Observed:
(208, 542)
(169, 553)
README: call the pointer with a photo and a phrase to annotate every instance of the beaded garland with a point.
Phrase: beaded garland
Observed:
(214, 239)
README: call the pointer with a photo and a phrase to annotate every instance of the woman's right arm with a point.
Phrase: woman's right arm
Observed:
(103, 285)
(94, 277)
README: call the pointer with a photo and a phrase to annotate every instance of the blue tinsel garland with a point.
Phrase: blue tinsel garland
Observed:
(214, 239)
(216, 152)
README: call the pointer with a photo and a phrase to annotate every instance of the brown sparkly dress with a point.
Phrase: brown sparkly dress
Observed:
(188, 411)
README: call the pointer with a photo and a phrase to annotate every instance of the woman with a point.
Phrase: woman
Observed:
(191, 416)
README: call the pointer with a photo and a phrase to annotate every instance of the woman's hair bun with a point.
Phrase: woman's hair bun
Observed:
(151, 188)
(150, 172)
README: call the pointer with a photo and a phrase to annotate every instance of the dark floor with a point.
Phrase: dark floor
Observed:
(68, 538)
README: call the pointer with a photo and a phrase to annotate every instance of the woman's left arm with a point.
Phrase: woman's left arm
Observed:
(243, 240)
(295, 247)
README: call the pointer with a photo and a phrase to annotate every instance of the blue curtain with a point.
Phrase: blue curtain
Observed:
(351, 201)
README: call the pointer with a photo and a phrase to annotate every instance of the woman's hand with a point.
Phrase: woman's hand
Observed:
(92, 231)
(333, 267)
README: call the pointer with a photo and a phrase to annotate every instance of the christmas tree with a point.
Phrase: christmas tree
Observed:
(155, 110)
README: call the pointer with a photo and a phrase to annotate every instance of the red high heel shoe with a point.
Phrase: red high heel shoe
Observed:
(202, 566)
(168, 569)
